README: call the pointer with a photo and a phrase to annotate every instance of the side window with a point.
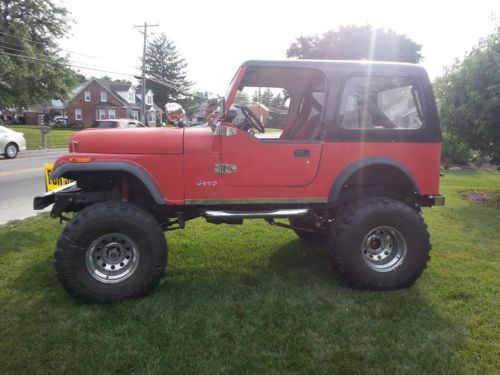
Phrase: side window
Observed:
(268, 104)
(380, 103)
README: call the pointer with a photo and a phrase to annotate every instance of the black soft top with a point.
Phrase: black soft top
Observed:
(342, 67)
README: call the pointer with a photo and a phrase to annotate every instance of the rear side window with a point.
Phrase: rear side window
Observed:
(380, 103)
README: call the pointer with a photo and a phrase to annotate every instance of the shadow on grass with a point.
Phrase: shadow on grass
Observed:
(288, 315)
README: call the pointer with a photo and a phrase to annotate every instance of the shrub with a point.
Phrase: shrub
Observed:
(454, 151)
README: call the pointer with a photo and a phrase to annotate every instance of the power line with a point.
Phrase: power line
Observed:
(74, 64)
(30, 41)
(168, 83)
(64, 63)
(87, 66)
(44, 44)
(94, 67)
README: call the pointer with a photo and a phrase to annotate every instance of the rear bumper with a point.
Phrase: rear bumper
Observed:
(48, 198)
(433, 200)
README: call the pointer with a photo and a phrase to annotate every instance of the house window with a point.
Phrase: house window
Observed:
(135, 115)
(111, 113)
(78, 114)
(100, 114)
(149, 99)
(87, 96)
(104, 96)
(131, 97)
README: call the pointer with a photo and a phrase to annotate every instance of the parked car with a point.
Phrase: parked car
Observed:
(59, 122)
(11, 142)
(352, 169)
(119, 123)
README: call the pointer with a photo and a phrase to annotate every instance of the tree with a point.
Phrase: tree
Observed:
(191, 103)
(357, 43)
(31, 68)
(469, 99)
(164, 64)
(242, 98)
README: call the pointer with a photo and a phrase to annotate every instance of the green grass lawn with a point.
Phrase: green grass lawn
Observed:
(56, 138)
(273, 130)
(255, 299)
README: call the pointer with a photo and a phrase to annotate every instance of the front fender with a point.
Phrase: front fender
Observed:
(64, 168)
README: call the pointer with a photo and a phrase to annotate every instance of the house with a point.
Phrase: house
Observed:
(98, 99)
(36, 114)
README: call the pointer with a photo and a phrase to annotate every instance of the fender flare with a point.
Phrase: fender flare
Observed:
(348, 171)
(114, 166)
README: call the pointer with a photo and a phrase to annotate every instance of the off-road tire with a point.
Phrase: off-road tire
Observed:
(99, 220)
(309, 236)
(357, 228)
(11, 151)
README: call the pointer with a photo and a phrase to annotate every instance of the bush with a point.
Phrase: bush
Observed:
(454, 151)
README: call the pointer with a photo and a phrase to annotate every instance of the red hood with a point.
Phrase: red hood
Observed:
(129, 141)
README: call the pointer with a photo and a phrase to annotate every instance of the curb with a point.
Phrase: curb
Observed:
(41, 151)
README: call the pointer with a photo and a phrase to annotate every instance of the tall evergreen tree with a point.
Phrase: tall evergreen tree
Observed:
(31, 68)
(164, 63)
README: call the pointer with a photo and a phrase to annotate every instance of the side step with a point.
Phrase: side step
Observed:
(268, 214)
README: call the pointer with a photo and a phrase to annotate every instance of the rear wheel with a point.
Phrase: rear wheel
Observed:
(11, 151)
(379, 243)
(111, 251)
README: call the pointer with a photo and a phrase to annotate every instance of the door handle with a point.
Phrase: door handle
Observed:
(302, 153)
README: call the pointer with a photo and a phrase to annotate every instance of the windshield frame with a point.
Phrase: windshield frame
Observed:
(233, 89)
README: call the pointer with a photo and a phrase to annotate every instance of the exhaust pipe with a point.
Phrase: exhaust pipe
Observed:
(268, 214)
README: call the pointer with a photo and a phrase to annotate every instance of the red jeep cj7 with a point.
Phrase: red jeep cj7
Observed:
(357, 159)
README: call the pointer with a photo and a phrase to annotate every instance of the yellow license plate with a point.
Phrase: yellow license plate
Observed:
(51, 183)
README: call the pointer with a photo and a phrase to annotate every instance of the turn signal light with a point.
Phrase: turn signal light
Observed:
(79, 160)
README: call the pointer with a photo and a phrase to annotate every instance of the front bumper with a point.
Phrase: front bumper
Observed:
(48, 198)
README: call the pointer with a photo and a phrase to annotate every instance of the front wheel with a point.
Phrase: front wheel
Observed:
(379, 243)
(11, 151)
(110, 251)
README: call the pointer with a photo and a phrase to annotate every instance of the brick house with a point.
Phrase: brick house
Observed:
(101, 99)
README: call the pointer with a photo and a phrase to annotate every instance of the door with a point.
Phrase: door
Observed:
(252, 162)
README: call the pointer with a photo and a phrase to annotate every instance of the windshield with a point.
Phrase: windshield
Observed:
(105, 124)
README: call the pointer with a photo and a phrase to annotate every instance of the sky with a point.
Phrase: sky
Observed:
(216, 36)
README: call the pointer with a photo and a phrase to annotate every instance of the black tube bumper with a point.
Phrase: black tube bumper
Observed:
(48, 198)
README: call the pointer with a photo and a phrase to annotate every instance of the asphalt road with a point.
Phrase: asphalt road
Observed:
(20, 180)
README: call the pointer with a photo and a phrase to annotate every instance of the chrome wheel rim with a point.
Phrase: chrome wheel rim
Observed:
(384, 249)
(112, 258)
(11, 151)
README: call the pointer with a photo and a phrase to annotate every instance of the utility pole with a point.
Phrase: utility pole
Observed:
(143, 99)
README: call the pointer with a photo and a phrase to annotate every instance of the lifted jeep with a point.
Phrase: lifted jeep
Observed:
(358, 157)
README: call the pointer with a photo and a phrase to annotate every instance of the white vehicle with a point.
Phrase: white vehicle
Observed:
(11, 142)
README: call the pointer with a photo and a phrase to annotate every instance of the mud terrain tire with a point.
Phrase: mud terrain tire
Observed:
(111, 251)
(379, 243)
